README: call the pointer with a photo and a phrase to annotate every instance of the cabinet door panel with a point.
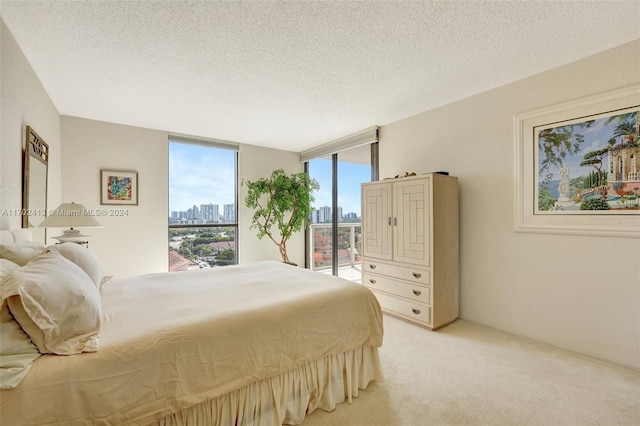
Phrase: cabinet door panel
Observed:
(376, 218)
(411, 222)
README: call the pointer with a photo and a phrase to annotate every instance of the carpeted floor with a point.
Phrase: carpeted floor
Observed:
(467, 374)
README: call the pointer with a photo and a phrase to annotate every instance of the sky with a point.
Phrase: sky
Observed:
(350, 176)
(595, 137)
(201, 175)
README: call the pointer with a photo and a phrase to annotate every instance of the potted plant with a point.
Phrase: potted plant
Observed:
(282, 203)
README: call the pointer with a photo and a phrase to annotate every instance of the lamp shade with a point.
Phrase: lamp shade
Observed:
(70, 215)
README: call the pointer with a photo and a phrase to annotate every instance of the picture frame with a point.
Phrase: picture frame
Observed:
(118, 187)
(572, 158)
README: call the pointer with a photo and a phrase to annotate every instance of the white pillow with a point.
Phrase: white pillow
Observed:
(17, 351)
(82, 257)
(56, 304)
(6, 267)
(21, 253)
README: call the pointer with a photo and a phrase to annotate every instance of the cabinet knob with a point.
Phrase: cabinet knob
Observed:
(372, 281)
(417, 292)
(415, 311)
(417, 275)
(372, 266)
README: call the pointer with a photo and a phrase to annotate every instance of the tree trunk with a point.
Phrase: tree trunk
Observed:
(283, 252)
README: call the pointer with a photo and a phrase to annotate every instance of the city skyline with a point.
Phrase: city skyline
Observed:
(207, 213)
(211, 213)
(200, 171)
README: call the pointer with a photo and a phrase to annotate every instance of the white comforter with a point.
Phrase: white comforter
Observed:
(170, 341)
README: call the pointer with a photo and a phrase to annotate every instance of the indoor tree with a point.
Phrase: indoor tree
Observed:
(282, 203)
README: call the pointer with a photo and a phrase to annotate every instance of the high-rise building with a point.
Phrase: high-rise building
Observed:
(174, 215)
(351, 217)
(193, 213)
(324, 214)
(210, 213)
(229, 213)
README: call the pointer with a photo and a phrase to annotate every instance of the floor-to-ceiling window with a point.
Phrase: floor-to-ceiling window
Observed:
(334, 231)
(203, 225)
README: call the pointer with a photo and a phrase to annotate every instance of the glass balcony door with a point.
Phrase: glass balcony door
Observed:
(334, 226)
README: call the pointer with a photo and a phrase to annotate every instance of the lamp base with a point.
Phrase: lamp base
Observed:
(70, 235)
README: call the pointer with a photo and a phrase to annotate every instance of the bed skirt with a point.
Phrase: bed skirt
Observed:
(289, 397)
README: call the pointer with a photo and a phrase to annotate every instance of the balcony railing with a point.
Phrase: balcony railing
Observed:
(348, 250)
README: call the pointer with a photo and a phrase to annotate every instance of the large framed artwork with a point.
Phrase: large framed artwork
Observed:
(118, 187)
(578, 166)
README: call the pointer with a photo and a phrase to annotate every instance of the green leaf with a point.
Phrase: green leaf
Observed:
(282, 203)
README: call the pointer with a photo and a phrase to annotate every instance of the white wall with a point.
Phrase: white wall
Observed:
(257, 162)
(581, 293)
(23, 102)
(138, 242)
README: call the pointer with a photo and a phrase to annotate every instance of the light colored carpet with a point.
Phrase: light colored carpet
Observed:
(467, 374)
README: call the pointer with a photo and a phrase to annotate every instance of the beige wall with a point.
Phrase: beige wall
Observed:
(256, 162)
(577, 292)
(23, 102)
(138, 242)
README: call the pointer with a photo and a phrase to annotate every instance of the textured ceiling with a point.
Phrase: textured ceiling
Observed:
(293, 75)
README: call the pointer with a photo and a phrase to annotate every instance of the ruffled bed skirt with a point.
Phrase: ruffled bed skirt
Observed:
(289, 397)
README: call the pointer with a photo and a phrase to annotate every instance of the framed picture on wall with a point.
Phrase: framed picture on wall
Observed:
(578, 166)
(118, 187)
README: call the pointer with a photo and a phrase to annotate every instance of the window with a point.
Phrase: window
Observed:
(203, 188)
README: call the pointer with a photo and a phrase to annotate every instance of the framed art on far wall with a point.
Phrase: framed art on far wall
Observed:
(118, 187)
(578, 166)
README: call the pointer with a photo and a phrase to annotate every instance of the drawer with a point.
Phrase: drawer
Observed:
(404, 308)
(415, 292)
(409, 273)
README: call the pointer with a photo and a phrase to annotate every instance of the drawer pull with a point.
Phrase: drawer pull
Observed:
(417, 275)
(417, 292)
(372, 281)
(372, 266)
(415, 311)
(389, 220)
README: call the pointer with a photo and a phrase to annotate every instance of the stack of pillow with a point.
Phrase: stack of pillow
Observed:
(49, 304)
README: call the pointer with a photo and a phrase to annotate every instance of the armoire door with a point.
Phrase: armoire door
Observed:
(376, 220)
(411, 221)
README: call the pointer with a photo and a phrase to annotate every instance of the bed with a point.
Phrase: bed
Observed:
(263, 343)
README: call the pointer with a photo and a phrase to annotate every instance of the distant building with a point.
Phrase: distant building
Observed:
(206, 213)
(351, 217)
(210, 213)
(324, 214)
(229, 213)
(193, 213)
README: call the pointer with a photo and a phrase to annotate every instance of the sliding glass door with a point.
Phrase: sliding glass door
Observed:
(334, 233)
